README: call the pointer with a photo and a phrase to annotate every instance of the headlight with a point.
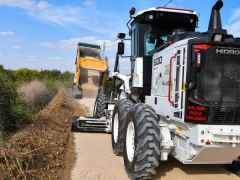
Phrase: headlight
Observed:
(218, 37)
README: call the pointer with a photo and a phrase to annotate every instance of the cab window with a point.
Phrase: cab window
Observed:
(152, 40)
(149, 43)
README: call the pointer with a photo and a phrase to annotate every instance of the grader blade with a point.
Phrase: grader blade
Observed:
(90, 124)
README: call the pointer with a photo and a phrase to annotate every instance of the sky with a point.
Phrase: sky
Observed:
(43, 34)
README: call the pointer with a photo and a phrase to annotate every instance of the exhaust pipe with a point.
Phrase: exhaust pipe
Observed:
(215, 20)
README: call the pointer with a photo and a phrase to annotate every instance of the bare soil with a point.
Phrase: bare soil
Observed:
(96, 161)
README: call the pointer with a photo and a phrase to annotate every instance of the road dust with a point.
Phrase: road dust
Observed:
(36, 94)
(90, 83)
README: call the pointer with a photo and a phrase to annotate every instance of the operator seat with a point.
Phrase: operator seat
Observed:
(159, 43)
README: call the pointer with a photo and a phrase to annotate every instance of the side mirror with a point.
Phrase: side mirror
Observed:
(121, 46)
(121, 36)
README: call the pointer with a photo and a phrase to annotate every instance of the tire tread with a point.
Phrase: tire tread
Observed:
(100, 105)
(123, 108)
(147, 152)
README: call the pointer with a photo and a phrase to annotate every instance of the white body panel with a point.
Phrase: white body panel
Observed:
(183, 11)
(138, 73)
(160, 93)
(204, 144)
(193, 143)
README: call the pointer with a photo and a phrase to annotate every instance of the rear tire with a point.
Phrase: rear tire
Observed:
(77, 92)
(74, 124)
(100, 105)
(118, 122)
(141, 142)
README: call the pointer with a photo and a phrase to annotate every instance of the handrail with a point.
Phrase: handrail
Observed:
(170, 79)
(164, 46)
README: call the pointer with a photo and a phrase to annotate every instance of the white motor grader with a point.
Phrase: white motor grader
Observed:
(183, 95)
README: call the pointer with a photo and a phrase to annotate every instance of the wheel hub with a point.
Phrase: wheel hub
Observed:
(130, 146)
(115, 128)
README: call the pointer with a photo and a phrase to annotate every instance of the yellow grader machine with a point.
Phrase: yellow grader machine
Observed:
(90, 65)
(88, 58)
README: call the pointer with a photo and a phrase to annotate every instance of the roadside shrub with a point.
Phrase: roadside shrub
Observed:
(14, 112)
(27, 75)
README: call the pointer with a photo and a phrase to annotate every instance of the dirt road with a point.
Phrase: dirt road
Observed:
(96, 161)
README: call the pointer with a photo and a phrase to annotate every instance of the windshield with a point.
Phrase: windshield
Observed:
(154, 38)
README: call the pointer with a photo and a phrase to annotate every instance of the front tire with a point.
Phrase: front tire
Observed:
(234, 167)
(141, 142)
(118, 122)
(77, 92)
(100, 105)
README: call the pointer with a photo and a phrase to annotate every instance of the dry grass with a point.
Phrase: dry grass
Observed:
(39, 151)
(36, 94)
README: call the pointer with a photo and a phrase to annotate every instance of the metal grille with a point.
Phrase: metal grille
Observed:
(181, 142)
(228, 116)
